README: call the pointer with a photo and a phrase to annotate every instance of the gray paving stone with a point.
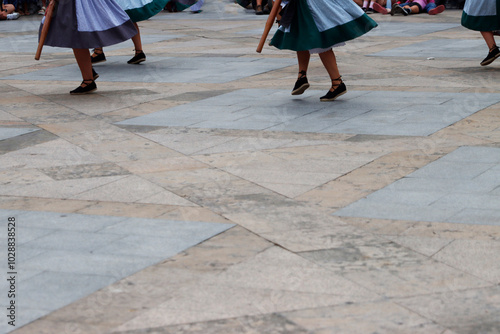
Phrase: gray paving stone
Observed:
(26, 235)
(166, 69)
(168, 228)
(29, 43)
(20, 26)
(459, 201)
(451, 170)
(409, 29)
(407, 197)
(6, 133)
(73, 255)
(164, 247)
(472, 154)
(72, 240)
(477, 217)
(52, 296)
(370, 209)
(451, 189)
(438, 48)
(380, 113)
(64, 221)
(88, 263)
(474, 186)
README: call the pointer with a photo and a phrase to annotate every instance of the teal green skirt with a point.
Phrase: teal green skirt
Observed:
(322, 24)
(481, 15)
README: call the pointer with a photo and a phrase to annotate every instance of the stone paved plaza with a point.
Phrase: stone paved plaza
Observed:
(193, 194)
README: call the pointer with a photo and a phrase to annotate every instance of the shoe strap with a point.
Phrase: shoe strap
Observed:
(87, 82)
(302, 74)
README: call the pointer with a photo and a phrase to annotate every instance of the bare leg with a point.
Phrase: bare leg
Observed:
(88, 85)
(137, 40)
(338, 87)
(489, 39)
(303, 58)
(330, 63)
(139, 56)
(302, 84)
(83, 60)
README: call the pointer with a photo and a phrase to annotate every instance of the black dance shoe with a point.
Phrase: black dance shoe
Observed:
(138, 58)
(492, 55)
(97, 57)
(86, 87)
(332, 95)
(301, 84)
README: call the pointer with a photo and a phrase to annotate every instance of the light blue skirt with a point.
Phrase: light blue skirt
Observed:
(86, 24)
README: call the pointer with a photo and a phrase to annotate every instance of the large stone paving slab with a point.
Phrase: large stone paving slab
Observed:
(462, 187)
(439, 48)
(407, 29)
(29, 43)
(64, 257)
(166, 70)
(6, 133)
(359, 112)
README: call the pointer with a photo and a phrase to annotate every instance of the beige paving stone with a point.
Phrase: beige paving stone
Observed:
(43, 326)
(327, 234)
(137, 210)
(58, 189)
(22, 177)
(161, 165)
(131, 189)
(45, 155)
(452, 231)
(423, 245)
(477, 257)
(197, 305)
(191, 213)
(394, 271)
(277, 269)
(220, 252)
(468, 311)
(266, 323)
(43, 204)
(288, 190)
(380, 316)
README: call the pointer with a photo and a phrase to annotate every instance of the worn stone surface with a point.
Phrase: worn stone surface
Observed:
(193, 194)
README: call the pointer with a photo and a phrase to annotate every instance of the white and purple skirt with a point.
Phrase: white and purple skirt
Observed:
(86, 24)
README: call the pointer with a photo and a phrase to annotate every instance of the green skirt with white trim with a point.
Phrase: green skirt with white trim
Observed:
(320, 24)
(481, 15)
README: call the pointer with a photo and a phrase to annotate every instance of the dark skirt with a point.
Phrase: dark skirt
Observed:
(85, 24)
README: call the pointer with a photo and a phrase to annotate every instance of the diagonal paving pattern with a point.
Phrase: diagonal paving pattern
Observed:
(6, 133)
(359, 112)
(438, 48)
(74, 255)
(193, 194)
(461, 187)
(167, 70)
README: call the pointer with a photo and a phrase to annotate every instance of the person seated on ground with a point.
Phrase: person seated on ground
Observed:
(417, 7)
(368, 6)
(7, 12)
(382, 6)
